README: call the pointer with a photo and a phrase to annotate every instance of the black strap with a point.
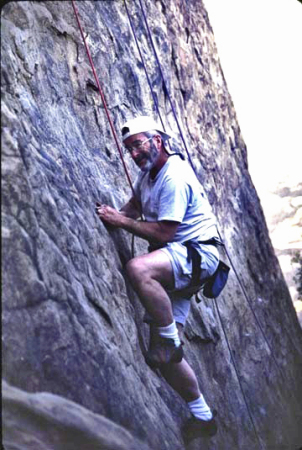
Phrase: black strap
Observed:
(212, 241)
(194, 256)
(152, 247)
(192, 252)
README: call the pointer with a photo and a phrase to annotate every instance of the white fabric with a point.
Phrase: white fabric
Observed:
(175, 194)
(170, 332)
(200, 409)
(182, 268)
(142, 124)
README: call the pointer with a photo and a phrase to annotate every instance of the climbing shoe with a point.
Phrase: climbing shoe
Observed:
(195, 428)
(164, 351)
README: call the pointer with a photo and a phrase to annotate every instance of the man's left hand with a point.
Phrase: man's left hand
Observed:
(110, 215)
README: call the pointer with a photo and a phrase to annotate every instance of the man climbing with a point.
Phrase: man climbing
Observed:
(176, 211)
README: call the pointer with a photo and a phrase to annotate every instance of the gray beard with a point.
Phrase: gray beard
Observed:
(152, 158)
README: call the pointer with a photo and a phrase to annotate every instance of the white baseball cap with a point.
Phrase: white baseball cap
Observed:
(142, 124)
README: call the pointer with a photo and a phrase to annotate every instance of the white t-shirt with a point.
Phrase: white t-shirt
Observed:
(175, 194)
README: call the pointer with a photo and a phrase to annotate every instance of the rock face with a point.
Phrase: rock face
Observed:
(72, 325)
(46, 421)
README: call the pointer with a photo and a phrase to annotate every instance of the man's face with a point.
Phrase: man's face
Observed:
(143, 151)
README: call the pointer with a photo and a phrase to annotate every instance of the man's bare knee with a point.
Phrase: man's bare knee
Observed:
(136, 270)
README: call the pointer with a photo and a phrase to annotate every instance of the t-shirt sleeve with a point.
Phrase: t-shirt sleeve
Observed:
(173, 200)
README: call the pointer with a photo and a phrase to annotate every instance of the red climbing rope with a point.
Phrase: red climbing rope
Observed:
(103, 99)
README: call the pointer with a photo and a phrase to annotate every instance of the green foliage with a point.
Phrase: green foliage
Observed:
(297, 259)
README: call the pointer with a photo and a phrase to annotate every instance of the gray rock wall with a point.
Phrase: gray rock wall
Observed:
(72, 325)
(47, 421)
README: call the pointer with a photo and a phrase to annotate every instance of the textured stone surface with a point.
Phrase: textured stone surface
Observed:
(45, 421)
(71, 323)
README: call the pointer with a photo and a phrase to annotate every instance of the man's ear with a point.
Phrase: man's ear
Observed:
(159, 140)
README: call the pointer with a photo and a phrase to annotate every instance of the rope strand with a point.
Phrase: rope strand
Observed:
(104, 101)
(145, 70)
(165, 87)
(238, 377)
(251, 308)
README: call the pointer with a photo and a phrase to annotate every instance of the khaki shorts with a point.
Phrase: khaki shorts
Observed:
(182, 272)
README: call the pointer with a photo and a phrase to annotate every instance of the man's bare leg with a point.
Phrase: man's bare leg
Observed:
(148, 274)
(180, 376)
(182, 379)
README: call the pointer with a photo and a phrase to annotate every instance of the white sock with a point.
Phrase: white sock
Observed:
(171, 332)
(200, 409)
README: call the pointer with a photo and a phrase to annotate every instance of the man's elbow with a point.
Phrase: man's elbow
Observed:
(167, 233)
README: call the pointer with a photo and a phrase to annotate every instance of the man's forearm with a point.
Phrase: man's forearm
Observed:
(151, 231)
(158, 232)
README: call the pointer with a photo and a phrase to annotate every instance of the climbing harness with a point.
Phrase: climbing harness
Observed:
(211, 286)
